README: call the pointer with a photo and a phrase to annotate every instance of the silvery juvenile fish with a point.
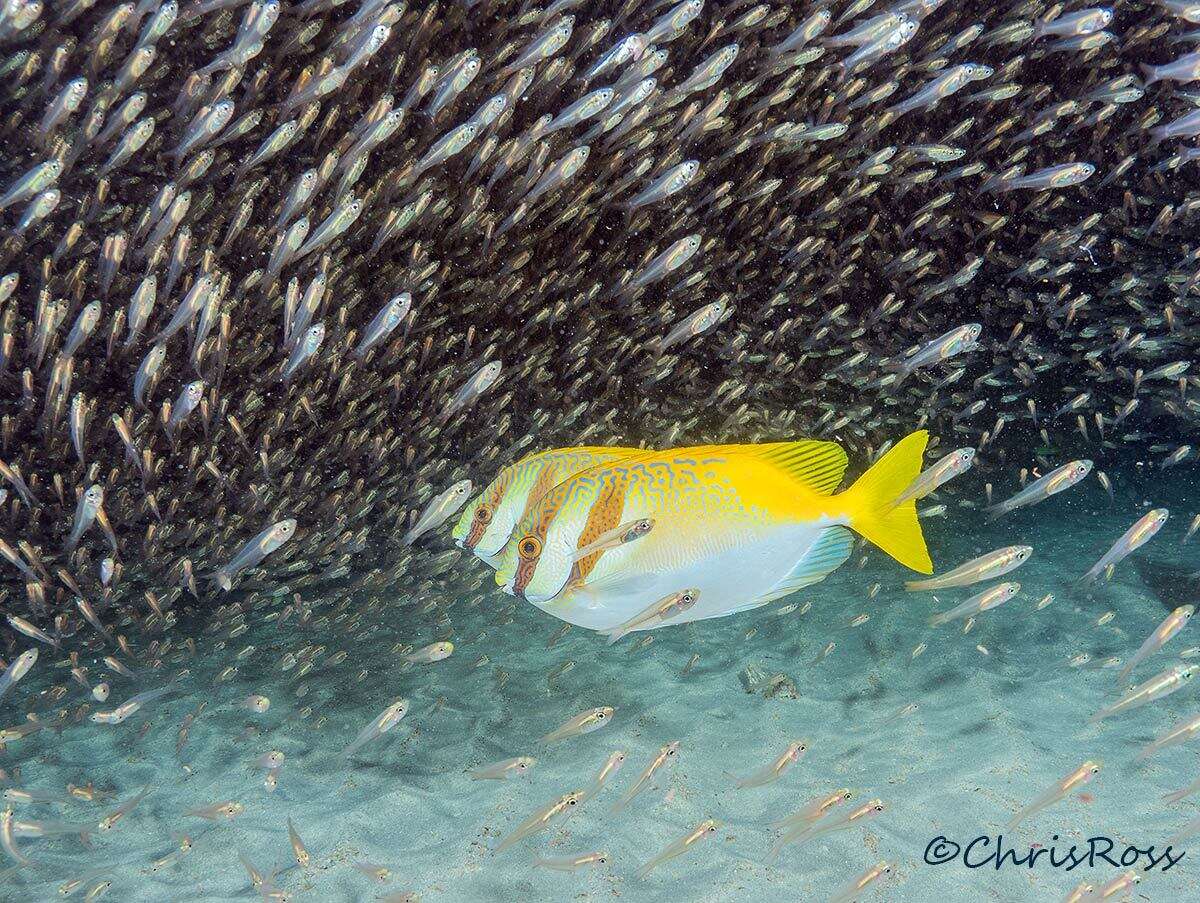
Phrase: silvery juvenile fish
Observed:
(482, 380)
(1178, 734)
(540, 820)
(1077, 778)
(272, 145)
(236, 57)
(453, 142)
(1063, 477)
(656, 614)
(89, 613)
(652, 60)
(159, 23)
(440, 509)
(1135, 537)
(299, 850)
(130, 144)
(254, 551)
(610, 767)
(13, 557)
(873, 51)
(338, 221)
(78, 423)
(571, 863)
(616, 537)
(977, 604)
(774, 770)
(370, 44)
(372, 137)
(13, 475)
(19, 624)
(17, 669)
(489, 112)
(1162, 684)
(383, 323)
(1061, 175)
(675, 256)
(665, 758)
(206, 125)
(453, 83)
(627, 50)
(813, 811)
(708, 72)
(8, 285)
(286, 248)
(434, 652)
(90, 502)
(422, 86)
(986, 567)
(706, 828)
(586, 107)
(675, 179)
(193, 302)
(944, 347)
(867, 32)
(945, 469)
(1080, 22)
(297, 197)
(630, 104)
(802, 833)
(318, 88)
(399, 220)
(1171, 625)
(671, 25)
(139, 60)
(808, 30)
(854, 890)
(561, 171)
(544, 45)
(33, 182)
(380, 725)
(186, 402)
(8, 839)
(500, 771)
(146, 372)
(85, 325)
(1183, 69)
(130, 707)
(304, 350)
(696, 323)
(69, 99)
(942, 86)
(226, 809)
(583, 723)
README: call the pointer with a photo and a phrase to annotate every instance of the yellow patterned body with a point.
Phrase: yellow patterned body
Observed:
(742, 524)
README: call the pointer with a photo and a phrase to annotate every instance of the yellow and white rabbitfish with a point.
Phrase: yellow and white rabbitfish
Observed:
(740, 524)
(485, 524)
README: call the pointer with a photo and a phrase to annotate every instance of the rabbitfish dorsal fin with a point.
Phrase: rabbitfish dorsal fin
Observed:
(818, 465)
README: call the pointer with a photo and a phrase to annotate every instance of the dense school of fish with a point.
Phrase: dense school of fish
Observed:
(279, 280)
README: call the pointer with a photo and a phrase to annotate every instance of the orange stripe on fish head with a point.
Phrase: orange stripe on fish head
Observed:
(548, 477)
(604, 515)
(482, 515)
(533, 529)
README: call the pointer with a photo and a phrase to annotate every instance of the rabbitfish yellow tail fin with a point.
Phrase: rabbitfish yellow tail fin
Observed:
(874, 514)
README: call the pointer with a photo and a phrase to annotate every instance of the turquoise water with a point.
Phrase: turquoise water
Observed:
(1001, 714)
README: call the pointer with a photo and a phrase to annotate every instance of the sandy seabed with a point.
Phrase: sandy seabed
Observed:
(1001, 714)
